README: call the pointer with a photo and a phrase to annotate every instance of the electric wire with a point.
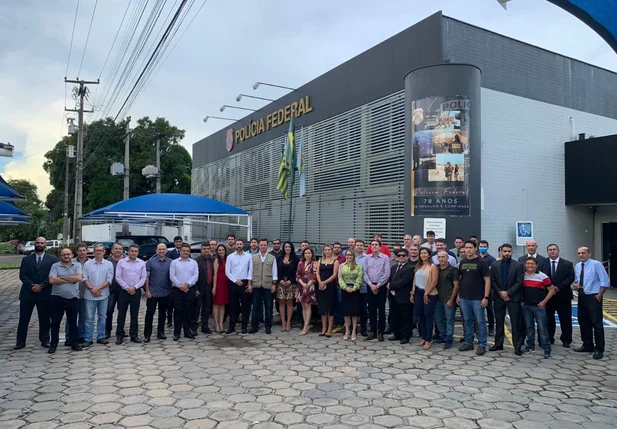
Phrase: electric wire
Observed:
(87, 38)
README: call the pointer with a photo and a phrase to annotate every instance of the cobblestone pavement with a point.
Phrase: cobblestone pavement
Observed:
(286, 381)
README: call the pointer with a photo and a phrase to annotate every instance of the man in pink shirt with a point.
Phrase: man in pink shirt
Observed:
(131, 276)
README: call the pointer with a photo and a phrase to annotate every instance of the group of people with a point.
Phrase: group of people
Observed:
(421, 280)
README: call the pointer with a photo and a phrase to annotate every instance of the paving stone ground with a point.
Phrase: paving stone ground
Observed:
(287, 381)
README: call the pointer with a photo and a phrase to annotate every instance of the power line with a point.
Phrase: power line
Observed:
(71, 45)
(87, 37)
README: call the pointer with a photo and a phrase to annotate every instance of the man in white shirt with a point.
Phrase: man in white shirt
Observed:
(183, 273)
(262, 284)
(237, 269)
(430, 241)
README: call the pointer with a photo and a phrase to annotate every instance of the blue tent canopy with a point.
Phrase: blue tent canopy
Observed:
(8, 208)
(600, 15)
(165, 206)
(8, 193)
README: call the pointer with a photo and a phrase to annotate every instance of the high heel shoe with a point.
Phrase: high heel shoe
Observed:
(346, 336)
(421, 343)
(426, 346)
(323, 334)
(353, 337)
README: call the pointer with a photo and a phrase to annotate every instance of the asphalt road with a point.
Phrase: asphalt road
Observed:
(11, 259)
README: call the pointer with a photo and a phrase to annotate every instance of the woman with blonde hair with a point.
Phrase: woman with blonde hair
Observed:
(350, 277)
(326, 273)
(424, 296)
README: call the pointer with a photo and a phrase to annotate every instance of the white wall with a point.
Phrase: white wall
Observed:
(523, 171)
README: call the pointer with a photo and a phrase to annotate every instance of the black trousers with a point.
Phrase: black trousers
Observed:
(490, 312)
(183, 309)
(170, 314)
(203, 306)
(60, 306)
(239, 300)
(563, 306)
(401, 319)
(516, 321)
(377, 305)
(591, 322)
(363, 302)
(151, 303)
(112, 303)
(25, 314)
(391, 305)
(125, 300)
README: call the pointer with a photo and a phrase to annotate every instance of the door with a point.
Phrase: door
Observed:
(609, 249)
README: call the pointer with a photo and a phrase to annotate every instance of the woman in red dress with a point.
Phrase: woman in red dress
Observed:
(306, 277)
(220, 293)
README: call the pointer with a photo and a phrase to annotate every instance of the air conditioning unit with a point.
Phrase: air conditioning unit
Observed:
(117, 169)
(150, 172)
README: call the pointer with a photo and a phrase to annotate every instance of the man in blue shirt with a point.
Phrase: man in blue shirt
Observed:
(591, 282)
(361, 259)
(158, 292)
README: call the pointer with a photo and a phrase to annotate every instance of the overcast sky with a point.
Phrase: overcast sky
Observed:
(228, 47)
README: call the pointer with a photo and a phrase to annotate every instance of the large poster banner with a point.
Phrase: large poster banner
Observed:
(440, 156)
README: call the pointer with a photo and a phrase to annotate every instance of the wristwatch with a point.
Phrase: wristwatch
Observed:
(486, 297)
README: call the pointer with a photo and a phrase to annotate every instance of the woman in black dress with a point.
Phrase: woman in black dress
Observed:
(286, 264)
(350, 278)
(327, 273)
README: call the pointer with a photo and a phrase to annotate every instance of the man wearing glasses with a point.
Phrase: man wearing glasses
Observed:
(399, 286)
(276, 248)
(158, 292)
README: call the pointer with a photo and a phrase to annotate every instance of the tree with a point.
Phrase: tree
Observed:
(104, 145)
(40, 221)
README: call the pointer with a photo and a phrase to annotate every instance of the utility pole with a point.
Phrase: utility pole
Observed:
(70, 153)
(79, 171)
(127, 171)
(158, 164)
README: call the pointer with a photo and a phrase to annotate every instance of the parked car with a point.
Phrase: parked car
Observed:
(20, 247)
(107, 244)
(147, 244)
(28, 247)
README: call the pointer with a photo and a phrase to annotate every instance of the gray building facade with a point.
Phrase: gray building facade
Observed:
(354, 140)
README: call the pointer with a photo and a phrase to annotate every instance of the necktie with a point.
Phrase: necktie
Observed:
(553, 271)
(209, 273)
(38, 261)
(582, 276)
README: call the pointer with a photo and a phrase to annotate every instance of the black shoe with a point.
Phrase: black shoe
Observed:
(86, 344)
(566, 345)
(465, 347)
(76, 348)
(45, 345)
(491, 332)
(51, 350)
(169, 324)
(371, 337)
(552, 340)
(206, 331)
(404, 341)
(518, 353)
(67, 343)
(364, 334)
(252, 331)
(380, 337)
(598, 355)
(146, 339)
(388, 331)
(438, 340)
(81, 340)
(102, 341)
(481, 350)
(19, 346)
(269, 331)
(394, 338)
(136, 340)
(495, 348)
(434, 337)
(107, 335)
(462, 340)
(583, 349)
(244, 330)
(190, 336)
(119, 340)
(447, 346)
(230, 331)
(176, 337)
(161, 336)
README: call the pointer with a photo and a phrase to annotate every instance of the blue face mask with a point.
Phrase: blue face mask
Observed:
(483, 250)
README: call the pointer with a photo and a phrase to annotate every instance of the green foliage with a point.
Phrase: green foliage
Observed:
(104, 145)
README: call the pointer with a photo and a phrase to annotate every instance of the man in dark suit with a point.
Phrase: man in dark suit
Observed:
(532, 252)
(561, 273)
(401, 279)
(35, 291)
(204, 288)
(173, 254)
(507, 282)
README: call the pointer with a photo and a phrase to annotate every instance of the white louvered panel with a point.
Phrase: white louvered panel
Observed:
(355, 170)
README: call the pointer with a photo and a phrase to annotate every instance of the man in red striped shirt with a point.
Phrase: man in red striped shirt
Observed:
(537, 291)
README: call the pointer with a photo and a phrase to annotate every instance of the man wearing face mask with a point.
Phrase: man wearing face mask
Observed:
(490, 309)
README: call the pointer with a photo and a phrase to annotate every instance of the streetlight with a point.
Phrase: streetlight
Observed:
(224, 106)
(218, 117)
(257, 84)
(239, 97)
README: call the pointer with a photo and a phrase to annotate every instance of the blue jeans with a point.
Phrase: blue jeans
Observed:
(90, 306)
(473, 310)
(424, 313)
(81, 320)
(531, 312)
(444, 318)
(262, 297)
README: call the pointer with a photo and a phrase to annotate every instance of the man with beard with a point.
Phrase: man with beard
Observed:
(35, 292)
(117, 253)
